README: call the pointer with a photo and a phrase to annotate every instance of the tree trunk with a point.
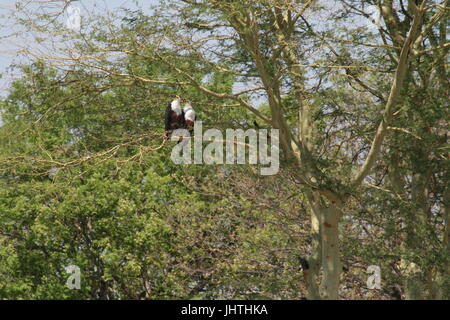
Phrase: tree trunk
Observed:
(330, 254)
(325, 253)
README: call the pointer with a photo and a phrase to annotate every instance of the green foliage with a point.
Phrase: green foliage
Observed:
(86, 177)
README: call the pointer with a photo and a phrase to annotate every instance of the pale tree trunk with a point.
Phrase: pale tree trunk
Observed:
(325, 254)
(330, 253)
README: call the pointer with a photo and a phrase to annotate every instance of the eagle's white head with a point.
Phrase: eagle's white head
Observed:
(175, 105)
(187, 105)
(189, 113)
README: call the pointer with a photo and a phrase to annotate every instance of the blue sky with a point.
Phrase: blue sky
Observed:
(9, 41)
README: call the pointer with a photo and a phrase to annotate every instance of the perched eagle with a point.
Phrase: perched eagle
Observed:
(174, 117)
(189, 116)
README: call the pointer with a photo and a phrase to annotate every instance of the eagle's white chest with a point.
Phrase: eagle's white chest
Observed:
(189, 113)
(175, 106)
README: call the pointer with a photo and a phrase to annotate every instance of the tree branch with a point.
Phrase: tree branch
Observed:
(396, 87)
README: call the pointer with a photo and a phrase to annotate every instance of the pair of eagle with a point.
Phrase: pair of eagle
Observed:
(177, 117)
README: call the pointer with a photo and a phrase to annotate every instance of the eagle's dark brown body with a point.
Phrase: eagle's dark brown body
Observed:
(173, 120)
(189, 125)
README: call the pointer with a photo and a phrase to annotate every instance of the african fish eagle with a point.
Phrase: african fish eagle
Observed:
(189, 116)
(174, 117)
